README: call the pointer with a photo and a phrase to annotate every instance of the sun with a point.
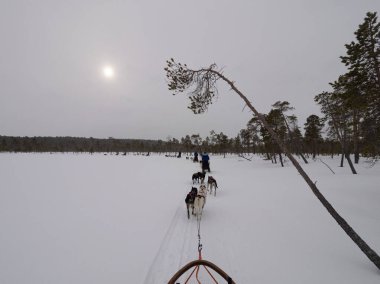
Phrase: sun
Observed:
(108, 72)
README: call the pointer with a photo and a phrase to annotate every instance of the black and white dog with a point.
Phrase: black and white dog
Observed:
(198, 177)
(190, 197)
(211, 183)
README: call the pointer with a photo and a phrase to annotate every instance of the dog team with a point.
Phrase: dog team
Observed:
(196, 199)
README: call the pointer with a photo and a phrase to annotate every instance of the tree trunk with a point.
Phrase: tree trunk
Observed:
(274, 157)
(371, 254)
(303, 158)
(314, 148)
(347, 155)
(356, 137)
(279, 154)
(343, 143)
(268, 156)
(356, 156)
(342, 160)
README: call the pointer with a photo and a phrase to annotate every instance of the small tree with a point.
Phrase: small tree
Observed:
(283, 107)
(331, 107)
(237, 144)
(277, 123)
(313, 129)
(223, 143)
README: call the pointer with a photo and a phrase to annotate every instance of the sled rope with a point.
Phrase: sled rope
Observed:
(196, 268)
(199, 218)
(200, 262)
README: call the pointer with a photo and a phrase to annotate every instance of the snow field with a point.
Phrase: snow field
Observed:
(68, 218)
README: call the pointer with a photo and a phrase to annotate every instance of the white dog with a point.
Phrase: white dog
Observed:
(200, 200)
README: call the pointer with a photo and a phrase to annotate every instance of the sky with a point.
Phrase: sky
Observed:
(52, 56)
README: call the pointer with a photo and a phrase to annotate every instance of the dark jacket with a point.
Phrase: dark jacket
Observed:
(205, 158)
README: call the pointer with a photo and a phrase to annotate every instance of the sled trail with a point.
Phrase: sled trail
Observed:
(177, 247)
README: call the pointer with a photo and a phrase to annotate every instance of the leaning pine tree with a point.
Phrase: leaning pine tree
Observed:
(201, 87)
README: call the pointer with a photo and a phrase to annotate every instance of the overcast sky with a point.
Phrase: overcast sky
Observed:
(52, 54)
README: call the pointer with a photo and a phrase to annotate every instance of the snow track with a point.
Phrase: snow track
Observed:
(177, 247)
(180, 246)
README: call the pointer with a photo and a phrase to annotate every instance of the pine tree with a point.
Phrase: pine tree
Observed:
(295, 142)
(335, 113)
(313, 129)
(363, 62)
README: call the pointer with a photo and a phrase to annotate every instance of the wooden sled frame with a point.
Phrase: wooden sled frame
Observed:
(198, 263)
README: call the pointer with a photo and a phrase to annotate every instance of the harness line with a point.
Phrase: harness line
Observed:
(199, 218)
(196, 268)
(200, 262)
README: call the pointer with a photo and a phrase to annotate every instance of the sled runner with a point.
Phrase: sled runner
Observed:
(197, 264)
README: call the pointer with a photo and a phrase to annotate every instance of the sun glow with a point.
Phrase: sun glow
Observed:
(108, 72)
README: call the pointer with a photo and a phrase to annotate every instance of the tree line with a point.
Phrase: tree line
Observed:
(246, 141)
(77, 144)
(351, 110)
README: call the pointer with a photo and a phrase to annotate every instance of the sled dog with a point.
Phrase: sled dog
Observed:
(190, 197)
(200, 200)
(198, 177)
(211, 183)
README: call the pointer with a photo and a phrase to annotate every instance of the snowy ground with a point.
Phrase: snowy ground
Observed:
(68, 218)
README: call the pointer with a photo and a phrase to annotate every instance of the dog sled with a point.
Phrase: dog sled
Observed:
(196, 264)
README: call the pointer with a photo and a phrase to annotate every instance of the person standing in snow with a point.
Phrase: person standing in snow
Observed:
(205, 162)
(195, 157)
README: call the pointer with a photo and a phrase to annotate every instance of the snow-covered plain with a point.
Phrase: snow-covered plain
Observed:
(70, 218)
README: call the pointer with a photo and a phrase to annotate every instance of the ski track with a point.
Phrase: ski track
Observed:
(175, 248)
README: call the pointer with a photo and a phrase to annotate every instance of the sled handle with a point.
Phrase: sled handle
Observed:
(197, 263)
